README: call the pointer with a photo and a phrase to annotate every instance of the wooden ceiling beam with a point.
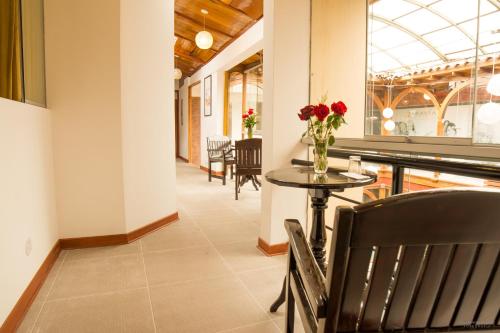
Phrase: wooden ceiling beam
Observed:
(235, 10)
(188, 56)
(200, 25)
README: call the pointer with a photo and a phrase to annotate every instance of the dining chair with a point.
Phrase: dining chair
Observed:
(248, 163)
(220, 151)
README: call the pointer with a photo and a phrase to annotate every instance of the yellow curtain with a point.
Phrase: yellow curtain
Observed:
(11, 83)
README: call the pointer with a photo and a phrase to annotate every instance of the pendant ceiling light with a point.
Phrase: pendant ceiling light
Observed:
(177, 71)
(204, 39)
(489, 113)
(388, 113)
(390, 125)
(494, 85)
(177, 74)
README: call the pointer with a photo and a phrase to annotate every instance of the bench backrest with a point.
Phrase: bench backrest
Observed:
(425, 260)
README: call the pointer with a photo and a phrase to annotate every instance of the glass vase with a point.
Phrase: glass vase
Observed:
(250, 132)
(320, 156)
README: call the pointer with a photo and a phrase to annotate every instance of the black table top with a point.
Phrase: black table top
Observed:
(304, 177)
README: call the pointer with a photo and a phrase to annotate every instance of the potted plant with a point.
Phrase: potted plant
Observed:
(321, 122)
(249, 122)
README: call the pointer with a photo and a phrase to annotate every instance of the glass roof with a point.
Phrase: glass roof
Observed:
(410, 35)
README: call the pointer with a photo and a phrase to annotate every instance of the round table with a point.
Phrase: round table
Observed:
(320, 187)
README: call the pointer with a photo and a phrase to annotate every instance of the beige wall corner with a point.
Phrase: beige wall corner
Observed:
(83, 95)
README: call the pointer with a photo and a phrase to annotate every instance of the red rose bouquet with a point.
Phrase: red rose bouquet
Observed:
(249, 121)
(321, 122)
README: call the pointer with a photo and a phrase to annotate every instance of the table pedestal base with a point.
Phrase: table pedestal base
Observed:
(317, 238)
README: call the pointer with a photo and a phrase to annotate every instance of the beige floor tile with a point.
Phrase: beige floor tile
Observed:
(106, 251)
(265, 285)
(179, 237)
(98, 275)
(298, 328)
(244, 256)
(204, 306)
(216, 216)
(30, 317)
(266, 327)
(126, 311)
(51, 277)
(182, 265)
(225, 233)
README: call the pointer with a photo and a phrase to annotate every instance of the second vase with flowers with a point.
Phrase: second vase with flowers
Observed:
(249, 121)
(322, 120)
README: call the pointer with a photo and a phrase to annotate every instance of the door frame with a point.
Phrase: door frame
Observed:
(190, 159)
(177, 124)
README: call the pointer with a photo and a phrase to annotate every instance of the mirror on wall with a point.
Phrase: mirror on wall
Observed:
(22, 59)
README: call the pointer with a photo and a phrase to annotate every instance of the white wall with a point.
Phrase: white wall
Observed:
(147, 101)
(27, 197)
(111, 91)
(246, 45)
(82, 44)
(338, 53)
(338, 69)
(286, 90)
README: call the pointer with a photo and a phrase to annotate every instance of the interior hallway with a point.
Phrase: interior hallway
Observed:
(202, 273)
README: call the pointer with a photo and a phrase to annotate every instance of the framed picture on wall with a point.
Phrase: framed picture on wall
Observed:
(207, 96)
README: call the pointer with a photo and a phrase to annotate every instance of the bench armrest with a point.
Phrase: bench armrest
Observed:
(309, 272)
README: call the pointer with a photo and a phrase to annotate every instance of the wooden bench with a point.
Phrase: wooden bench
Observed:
(424, 261)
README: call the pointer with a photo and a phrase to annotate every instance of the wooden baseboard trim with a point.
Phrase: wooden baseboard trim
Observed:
(143, 231)
(183, 159)
(93, 241)
(214, 173)
(22, 306)
(272, 250)
(118, 239)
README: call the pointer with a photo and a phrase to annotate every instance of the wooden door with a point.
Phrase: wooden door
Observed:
(177, 123)
(194, 128)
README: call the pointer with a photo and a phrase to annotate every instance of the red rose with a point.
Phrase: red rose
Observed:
(250, 111)
(306, 112)
(321, 111)
(339, 108)
(245, 116)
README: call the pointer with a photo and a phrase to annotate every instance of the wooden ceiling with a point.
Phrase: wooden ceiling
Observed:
(248, 63)
(226, 20)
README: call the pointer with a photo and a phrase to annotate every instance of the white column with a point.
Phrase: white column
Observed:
(286, 90)
(147, 105)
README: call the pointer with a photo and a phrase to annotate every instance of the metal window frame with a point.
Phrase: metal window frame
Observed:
(437, 145)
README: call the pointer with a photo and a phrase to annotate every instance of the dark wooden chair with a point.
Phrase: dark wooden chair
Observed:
(220, 151)
(248, 163)
(425, 262)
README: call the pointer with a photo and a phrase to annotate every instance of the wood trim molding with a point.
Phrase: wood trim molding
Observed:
(183, 158)
(118, 239)
(214, 173)
(272, 250)
(149, 228)
(22, 306)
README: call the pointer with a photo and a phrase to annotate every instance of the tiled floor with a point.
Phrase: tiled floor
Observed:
(200, 274)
